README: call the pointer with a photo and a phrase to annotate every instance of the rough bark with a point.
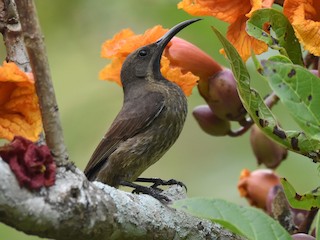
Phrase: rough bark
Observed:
(75, 208)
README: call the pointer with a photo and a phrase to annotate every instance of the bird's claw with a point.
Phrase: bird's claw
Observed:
(160, 182)
(154, 192)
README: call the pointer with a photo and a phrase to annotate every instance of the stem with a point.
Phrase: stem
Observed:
(34, 44)
(242, 130)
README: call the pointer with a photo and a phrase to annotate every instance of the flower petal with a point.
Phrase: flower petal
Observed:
(244, 43)
(186, 81)
(125, 42)
(19, 110)
(179, 71)
(112, 47)
(225, 10)
(304, 16)
(112, 71)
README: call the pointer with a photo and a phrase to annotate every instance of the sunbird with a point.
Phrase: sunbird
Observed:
(150, 121)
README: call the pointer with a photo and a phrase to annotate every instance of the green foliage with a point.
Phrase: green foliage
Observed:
(246, 221)
(293, 84)
(283, 38)
(298, 90)
(261, 114)
(305, 201)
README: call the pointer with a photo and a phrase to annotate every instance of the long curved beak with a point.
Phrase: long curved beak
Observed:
(165, 39)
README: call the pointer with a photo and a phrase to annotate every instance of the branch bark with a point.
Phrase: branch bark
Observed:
(77, 209)
(34, 44)
(12, 35)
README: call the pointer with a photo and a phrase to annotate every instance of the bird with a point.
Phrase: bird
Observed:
(150, 121)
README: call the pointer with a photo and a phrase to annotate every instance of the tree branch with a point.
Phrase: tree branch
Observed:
(34, 44)
(75, 208)
(12, 35)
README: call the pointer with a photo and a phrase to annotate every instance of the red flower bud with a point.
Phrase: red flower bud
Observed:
(32, 165)
(209, 122)
(189, 57)
(223, 96)
(255, 186)
(266, 151)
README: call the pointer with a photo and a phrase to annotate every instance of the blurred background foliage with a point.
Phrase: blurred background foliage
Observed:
(74, 31)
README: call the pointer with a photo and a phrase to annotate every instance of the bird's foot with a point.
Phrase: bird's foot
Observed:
(152, 191)
(160, 182)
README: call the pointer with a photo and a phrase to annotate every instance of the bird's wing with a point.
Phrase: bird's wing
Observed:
(132, 119)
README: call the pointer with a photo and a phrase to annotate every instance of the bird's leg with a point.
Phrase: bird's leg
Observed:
(154, 192)
(160, 182)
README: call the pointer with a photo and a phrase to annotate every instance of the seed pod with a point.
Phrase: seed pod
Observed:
(255, 186)
(209, 122)
(224, 98)
(267, 152)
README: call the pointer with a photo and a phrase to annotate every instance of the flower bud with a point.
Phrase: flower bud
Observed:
(209, 122)
(255, 186)
(267, 152)
(302, 236)
(223, 96)
(189, 57)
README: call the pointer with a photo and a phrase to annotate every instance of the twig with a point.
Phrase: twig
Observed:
(246, 125)
(12, 35)
(75, 208)
(270, 101)
(33, 40)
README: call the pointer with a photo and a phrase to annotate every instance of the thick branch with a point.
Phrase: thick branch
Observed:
(33, 40)
(77, 209)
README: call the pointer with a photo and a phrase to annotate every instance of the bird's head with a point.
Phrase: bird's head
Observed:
(144, 63)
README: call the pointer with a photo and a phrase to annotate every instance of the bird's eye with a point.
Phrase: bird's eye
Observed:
(143, 53)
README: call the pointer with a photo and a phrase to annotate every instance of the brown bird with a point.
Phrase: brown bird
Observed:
(151, 119)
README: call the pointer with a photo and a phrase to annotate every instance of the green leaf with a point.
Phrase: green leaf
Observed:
(279, 58)
(296, 141)
(284, 40)
(306, 201)
(298, 90)
(249, 222)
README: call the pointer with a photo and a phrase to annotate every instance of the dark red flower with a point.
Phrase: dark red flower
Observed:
(33, 165)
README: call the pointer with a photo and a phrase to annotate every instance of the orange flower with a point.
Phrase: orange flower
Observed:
(235, 12)
(19, 110)
(182, 62)
(304, 15)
